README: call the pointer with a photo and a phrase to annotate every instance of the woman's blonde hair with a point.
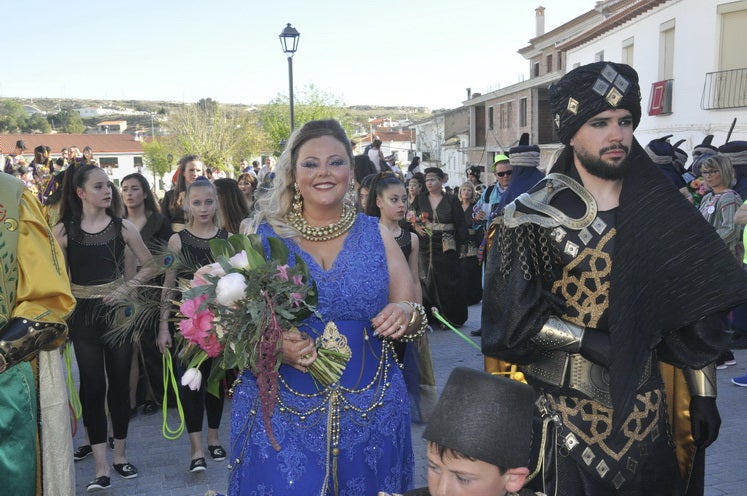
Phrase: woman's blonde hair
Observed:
(468, 184)
(723, 164)
(275, 204)
(201, 183)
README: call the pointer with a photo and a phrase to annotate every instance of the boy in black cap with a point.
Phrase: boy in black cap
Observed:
(589, 288)
(479, 437)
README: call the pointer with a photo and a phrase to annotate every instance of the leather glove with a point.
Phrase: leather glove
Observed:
(705, 419)
(595, 346)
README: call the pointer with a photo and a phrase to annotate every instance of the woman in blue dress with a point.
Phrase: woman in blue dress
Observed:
(351, 438)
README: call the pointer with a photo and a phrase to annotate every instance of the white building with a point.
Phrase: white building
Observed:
(691, 57)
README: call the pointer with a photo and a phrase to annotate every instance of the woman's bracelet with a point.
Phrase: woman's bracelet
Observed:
(417, 310)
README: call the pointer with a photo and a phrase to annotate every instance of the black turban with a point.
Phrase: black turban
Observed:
(591, 89)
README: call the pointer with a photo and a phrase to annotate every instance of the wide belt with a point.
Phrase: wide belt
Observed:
(437, 226)
(563, 369)
(95, 290)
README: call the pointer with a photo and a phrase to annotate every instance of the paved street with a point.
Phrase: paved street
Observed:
(163, 464)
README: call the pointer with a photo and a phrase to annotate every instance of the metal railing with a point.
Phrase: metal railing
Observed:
(725, 89)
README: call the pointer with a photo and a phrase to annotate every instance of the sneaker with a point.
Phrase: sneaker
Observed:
(217, 453)
(126, 470)
(98, 484)
(739, 381)
(721, 366)
(197, 465)
(82, 452)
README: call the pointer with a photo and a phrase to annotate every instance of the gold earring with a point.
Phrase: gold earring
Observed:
(297, 206)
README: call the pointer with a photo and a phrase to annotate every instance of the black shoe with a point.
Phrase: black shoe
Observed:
(149, 408)
(126, 470)
(197, 465)
(217, 453)
(478, 332)
(82, 452)
(98, 483)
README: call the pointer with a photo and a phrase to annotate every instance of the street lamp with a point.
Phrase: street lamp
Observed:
(289, 41)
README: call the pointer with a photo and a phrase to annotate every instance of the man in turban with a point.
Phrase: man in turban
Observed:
(589, 287)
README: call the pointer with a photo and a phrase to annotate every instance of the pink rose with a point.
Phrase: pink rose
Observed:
(297, 279)
(211, 345)
(198, 280)
(296, 298)
(283, 272)
(195, 329)
(190, 307)
(213, 269)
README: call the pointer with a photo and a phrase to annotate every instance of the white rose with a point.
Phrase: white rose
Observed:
(239, 261)
(192, 378)
(230, 289)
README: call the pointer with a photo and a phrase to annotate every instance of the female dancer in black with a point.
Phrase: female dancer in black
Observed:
(90, 230)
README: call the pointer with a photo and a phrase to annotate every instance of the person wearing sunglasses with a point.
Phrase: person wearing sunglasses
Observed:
(485, 208)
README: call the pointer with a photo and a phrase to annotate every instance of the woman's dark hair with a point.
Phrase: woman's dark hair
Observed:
(232, 203)
(362, 167)
(181, 184)
(76, 176)
(365, 183)
(414, 164)
(150, 203)
(420, 178)
(248, 177)
(379, 183)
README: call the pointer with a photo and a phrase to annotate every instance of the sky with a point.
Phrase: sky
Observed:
(421, 53)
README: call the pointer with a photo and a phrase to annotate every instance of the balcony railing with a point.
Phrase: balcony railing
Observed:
(725, 89)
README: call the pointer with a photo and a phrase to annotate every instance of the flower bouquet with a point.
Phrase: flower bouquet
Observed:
(698, 189)
(236, 309)
(420, 222)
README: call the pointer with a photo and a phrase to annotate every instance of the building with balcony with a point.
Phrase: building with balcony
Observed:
(691, 59)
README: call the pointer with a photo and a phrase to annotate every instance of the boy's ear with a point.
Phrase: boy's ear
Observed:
(515, 479)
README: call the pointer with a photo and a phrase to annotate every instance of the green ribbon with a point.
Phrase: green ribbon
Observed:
(72, 392)
(169, 376)
(445, 322)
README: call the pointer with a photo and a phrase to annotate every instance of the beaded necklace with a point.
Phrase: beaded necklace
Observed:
(322, 233)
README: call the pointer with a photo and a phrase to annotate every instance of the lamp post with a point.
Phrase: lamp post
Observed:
(289, 41)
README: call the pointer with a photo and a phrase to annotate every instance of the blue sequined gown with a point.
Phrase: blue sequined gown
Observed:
(369, 404)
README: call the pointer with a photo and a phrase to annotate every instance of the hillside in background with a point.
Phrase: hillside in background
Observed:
(138, 113)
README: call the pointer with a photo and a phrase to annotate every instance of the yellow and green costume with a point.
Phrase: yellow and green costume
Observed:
(35, 287)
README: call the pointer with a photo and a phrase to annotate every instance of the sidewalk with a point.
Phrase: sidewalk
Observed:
(163, 464)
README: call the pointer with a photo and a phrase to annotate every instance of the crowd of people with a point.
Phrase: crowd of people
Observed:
(559, 260)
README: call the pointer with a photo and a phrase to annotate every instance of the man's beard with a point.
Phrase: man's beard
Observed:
(599, 168)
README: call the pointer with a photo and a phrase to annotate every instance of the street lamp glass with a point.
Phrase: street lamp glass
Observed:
(289, 40)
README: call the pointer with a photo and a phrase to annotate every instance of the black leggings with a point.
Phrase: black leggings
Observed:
(98, 364)
(195, 402)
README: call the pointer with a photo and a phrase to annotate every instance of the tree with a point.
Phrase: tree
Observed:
(37, 123)
(311, 104)
(12, 117)
(158, 157)
(221, 137)
(68, 121)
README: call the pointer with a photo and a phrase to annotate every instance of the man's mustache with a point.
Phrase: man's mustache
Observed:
(618, 146)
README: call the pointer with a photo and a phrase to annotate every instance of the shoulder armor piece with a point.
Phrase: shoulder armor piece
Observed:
(537, 200)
